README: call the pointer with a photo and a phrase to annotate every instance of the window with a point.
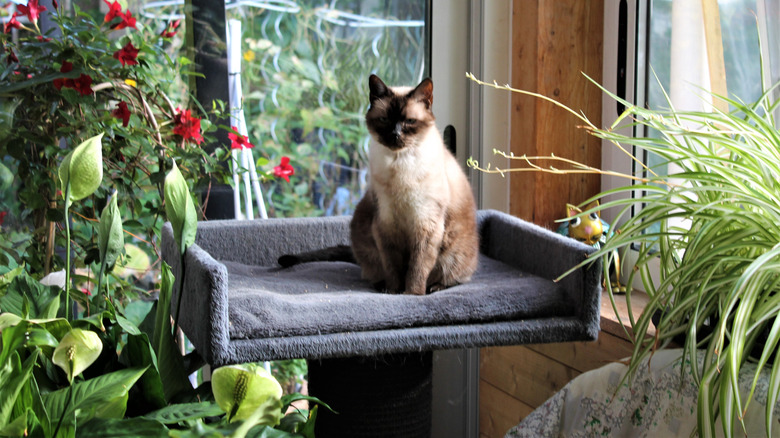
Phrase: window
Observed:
(664, 46)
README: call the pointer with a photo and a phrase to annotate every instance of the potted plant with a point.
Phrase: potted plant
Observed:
(714, 226)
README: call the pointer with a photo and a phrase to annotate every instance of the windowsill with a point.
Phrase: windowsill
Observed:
(618, 327)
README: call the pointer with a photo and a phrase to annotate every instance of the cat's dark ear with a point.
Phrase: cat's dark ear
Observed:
(377, 89)
(424, 92)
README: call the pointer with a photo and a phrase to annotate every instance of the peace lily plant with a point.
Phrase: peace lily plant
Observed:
(144, 390)
(714, 226)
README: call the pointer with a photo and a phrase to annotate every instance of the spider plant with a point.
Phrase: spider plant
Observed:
(714, 226)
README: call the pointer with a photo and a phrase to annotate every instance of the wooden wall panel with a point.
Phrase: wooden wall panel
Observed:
(498, 411)
(554, 42)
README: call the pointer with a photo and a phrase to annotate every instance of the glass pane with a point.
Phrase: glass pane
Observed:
(304, 72)
(740, 50)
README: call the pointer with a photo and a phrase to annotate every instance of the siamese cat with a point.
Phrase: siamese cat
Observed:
(415, 230)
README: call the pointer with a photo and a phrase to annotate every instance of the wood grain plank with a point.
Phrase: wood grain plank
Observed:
(523, 120)
(498, 411)
(523, 373)
(566, 39)
(586, 356)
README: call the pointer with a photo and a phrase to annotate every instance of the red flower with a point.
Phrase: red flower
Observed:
(284, 169)
(32, 10)
(127, 21)
(42, 39)
(64, 82)
(238, 141)
(187, 126)
(12, 23)
(122, 112)
(2, 216)
(127, 54)
(170, 29)
(114, 9)
(83, 84)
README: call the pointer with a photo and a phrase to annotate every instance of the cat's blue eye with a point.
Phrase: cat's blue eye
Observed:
(382, 120)
(410, 121)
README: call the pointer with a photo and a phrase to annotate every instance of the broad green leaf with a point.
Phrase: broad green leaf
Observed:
(13, 376)
(78, 349)
(129, 427)
(243, 389)
(6, 278)
(95, 320)
(39, 337)
(289, 399)
(42, 301)
(138, 352)
(127, 325)
(110, 236)
(82, 169)
(91, 395)
(268, 414)
(180, 209)
(58, 327)
(13, 338)
(17, 427)
(179, 412)
(9, 320)
(169, 359)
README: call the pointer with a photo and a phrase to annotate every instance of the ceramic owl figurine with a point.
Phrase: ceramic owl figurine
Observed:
(593, 231)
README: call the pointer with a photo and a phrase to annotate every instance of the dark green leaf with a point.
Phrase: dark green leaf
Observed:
(43, 300)
(13, 376)
(138, 352)
(180, 412)
(104, 396)
(169, 358)
(130, 427)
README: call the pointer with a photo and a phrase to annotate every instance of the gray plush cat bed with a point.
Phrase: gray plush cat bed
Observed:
(240, 306)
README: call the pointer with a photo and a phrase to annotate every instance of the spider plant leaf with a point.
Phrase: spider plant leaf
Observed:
(773, 391)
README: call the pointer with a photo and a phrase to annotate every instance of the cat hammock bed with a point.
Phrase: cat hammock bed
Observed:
(240, 306)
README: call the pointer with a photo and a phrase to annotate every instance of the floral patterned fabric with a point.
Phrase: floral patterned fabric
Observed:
(661, 402)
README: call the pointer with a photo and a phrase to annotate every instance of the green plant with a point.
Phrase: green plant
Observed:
(90, 74)
(119, 370)
(714, 225)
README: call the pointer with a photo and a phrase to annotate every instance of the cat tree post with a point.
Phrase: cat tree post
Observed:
(382, 396)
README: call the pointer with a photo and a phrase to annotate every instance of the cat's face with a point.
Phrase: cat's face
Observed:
(399, 116)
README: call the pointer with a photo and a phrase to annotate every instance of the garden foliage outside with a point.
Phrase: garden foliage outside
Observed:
(96, 156)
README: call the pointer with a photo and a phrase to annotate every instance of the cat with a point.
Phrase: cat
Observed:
(415, 229)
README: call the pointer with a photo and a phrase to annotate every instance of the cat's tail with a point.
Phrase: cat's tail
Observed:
(340, 253)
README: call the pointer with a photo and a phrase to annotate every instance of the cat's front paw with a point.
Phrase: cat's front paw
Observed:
(415, 291)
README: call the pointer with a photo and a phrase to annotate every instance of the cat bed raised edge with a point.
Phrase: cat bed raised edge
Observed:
(239, 306)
